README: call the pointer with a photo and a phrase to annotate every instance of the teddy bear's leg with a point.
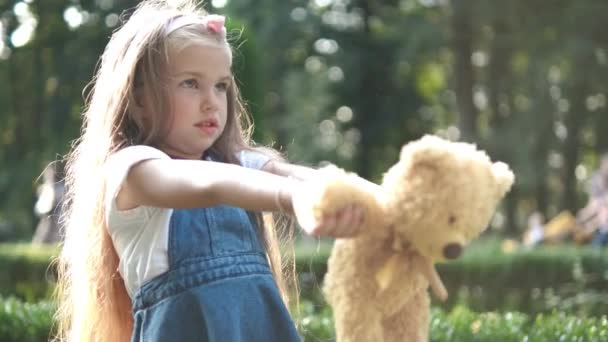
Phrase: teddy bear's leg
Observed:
(411, 323)
(358, 325)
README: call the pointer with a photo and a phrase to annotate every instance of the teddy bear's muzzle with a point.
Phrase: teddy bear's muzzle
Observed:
(452, 250)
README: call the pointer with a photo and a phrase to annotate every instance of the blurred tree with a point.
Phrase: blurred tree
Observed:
(347, 82)
(578, 39)
(378, 85)
(462, 45)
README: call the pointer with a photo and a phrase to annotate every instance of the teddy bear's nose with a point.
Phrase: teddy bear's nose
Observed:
(452, 250)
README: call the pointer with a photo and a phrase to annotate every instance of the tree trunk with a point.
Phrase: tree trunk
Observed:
(462, 45)
(601, 132)
(366, 103)
(540, 154)
(500, 99)
(574, 121)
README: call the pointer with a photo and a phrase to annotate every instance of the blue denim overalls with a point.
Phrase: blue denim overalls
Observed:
(219, 287)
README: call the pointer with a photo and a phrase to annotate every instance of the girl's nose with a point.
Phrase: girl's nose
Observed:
(210, 100)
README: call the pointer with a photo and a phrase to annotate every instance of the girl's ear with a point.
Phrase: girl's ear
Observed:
(137, 103)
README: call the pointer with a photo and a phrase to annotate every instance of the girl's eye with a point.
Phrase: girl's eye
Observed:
(222, 86)
(190, 83)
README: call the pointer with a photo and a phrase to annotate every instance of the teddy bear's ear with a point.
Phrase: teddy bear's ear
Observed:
(427, 150)
(504, 177)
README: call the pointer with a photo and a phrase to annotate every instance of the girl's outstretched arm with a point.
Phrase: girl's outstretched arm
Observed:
(169, 183)
(344, 222)
(289, 170)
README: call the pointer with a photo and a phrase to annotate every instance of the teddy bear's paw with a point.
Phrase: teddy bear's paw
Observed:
(427, 268)
(331, 191)
(394, 265)
(309, 197)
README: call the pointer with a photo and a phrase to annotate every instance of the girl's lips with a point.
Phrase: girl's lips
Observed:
(207, 126)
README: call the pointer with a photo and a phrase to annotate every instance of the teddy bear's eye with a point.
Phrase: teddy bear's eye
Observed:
(452, 219)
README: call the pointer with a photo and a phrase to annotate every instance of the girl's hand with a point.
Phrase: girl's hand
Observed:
(344, 223)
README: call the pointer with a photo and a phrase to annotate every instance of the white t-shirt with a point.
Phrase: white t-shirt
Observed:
(140, 235)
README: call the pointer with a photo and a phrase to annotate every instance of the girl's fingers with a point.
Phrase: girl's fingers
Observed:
(325, 226)
(349, 223)
(357, 222)
(346, 222)
(343, 222)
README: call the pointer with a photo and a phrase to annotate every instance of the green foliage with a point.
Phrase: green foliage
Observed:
(314, 321)
(347, 83)
(462, 324)
(392, 65)
(430, 80)
(248, 74)
(21, 321)
(25, 322)
(41, 95)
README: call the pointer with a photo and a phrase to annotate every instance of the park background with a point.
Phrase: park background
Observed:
(349, 82)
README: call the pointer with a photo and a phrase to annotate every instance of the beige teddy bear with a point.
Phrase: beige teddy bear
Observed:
(438, 197)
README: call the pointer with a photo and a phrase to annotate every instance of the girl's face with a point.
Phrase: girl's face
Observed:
(199, 77)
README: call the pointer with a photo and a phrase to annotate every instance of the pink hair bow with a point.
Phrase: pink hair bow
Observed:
(213, 23)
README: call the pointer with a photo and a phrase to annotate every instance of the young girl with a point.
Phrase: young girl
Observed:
(164, 240)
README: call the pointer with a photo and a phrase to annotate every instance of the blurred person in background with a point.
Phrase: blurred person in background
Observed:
(49, 205)
(595, 214)
(535, 234)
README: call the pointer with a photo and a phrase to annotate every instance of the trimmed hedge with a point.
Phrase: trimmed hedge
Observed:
(566, 278)
(486, 278)
(32, 322)
(485, 262)
(25, 270)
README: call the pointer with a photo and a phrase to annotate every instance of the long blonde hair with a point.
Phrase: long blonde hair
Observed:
(93, 301)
